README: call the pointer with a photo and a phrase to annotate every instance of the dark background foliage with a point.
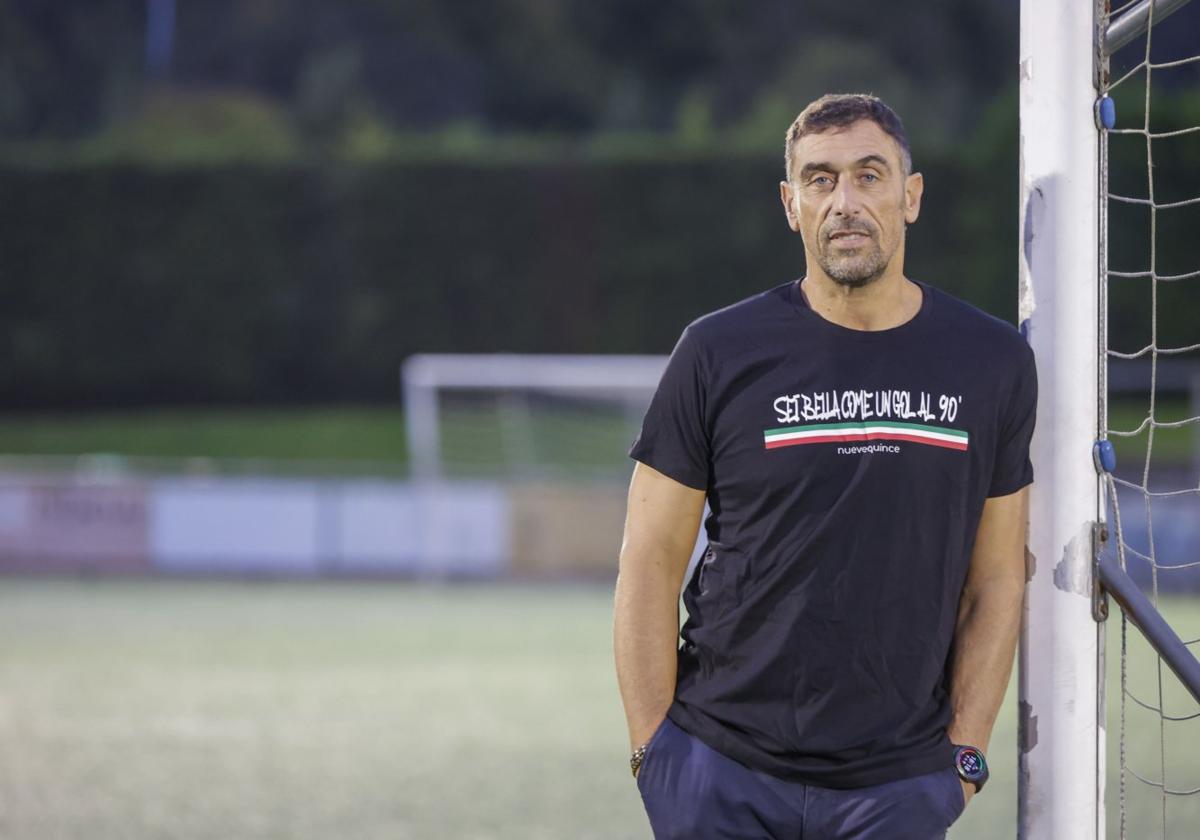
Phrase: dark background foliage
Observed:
(278, 200)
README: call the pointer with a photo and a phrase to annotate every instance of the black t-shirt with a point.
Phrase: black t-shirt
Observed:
(845, 473)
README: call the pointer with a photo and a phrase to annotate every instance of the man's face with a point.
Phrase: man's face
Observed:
(849, 199)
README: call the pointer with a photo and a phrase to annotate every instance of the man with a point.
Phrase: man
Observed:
(862, 442)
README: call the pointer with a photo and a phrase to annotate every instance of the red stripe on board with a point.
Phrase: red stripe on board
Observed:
(852, 437)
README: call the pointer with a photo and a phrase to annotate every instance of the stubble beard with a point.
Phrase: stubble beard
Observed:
(854, 270)
(861, 268)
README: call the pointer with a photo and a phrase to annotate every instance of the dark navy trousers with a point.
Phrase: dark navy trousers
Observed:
(693, 792)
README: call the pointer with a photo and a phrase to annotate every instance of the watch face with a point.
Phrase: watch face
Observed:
(970, 763)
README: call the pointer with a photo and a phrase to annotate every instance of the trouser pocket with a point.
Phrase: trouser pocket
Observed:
(647, 757)
(957, 797)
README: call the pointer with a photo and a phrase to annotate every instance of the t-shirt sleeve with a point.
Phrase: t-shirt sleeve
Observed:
(1012, 468)
(674, 439)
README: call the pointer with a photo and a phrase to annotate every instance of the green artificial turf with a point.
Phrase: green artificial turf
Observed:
(200, 709)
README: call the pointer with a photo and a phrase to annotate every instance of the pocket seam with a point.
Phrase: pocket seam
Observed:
(962, 794)
(654, 738)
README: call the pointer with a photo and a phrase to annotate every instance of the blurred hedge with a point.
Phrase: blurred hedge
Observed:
(128, 285)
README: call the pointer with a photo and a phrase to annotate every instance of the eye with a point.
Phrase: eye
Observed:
(870, 177)
(821, 180)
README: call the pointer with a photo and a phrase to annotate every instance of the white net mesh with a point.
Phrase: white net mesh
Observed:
(523, 433)
(525, 417)
(1151, 401)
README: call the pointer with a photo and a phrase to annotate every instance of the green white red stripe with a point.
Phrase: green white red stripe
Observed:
(865, 430)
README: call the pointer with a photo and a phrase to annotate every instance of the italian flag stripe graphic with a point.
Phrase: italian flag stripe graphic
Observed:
(853, 432)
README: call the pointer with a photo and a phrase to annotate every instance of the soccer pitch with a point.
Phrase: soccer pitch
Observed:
(198, 709)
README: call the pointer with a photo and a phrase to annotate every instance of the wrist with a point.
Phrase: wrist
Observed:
(967, 729)
(645, 726)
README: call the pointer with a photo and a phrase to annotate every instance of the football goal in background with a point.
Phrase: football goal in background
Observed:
(516, 416)
(550, 433)
(1106, 235)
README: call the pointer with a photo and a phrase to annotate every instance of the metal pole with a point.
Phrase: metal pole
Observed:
(1153, 626)
(1061, 758)
(1134, 22)
(1194, 402)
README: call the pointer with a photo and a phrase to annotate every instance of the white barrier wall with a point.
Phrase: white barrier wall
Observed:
(252, 525)
(195, 525)
(380, 527)
(437, 528)
(270, 526)
(50, 523)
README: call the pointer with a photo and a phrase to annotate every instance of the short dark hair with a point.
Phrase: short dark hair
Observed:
(839, 110)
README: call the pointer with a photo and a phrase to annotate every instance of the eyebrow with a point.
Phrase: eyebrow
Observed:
(823, 166)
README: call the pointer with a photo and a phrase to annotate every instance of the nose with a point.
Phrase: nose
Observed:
(845, 199)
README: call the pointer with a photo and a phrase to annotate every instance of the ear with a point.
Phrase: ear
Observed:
(914, 187)
(789, 207)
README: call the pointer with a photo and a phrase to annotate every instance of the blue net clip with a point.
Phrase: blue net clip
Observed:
(1104, 455)
(1106, 113)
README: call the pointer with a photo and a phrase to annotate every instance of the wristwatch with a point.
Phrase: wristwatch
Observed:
(971, 765)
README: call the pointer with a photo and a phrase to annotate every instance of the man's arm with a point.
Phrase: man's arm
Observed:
(989, 621)
(661, 524)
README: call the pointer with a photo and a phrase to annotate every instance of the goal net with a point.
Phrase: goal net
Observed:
(1150, 204)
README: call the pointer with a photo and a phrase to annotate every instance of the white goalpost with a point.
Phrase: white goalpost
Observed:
(1061, 724)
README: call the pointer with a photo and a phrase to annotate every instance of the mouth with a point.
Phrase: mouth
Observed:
(849, 238)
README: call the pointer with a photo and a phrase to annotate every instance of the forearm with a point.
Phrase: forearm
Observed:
(984, 646)
(660, 531)
(645, 641)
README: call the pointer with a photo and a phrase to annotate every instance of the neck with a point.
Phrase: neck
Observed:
(888, 302)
